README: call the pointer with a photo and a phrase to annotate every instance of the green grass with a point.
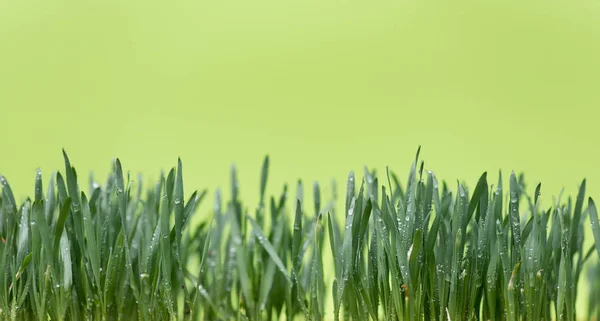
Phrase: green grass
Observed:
(418, 251)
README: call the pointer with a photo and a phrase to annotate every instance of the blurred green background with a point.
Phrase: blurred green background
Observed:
(323, 87)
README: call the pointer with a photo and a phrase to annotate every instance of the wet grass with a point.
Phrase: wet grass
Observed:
(419, 251)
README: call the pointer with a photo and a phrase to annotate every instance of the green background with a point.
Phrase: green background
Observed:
(323, 87)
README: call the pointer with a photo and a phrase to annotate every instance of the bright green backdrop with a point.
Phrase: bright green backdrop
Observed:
(321, 86)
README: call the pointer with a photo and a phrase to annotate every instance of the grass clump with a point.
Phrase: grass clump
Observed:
(419, 252)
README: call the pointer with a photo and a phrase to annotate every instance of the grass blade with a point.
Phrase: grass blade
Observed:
(60, 223)
(264, 241)
(594, 222)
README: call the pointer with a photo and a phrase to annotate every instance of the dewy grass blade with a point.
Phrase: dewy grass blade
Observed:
(515, 223)
(50, 202)
(179, 206)
(169, 185)
(121, 197)
(262, 239)
(334, 244)
(38, 193)
(189, 210)
(267, 283)
(242, 267)
(65, 255)
(527, 229)
(561, 289)
(415, 249)
(93, 253)
(594, 222)
(512, 290)
(23, 232)
(8, 199)
(297, 235)
(577, 216)
(346, 256)
(479, 194)
(114, 268)
(73, 189)
(165, 246)
(61, 187)
(60, 223)
(350, 190)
